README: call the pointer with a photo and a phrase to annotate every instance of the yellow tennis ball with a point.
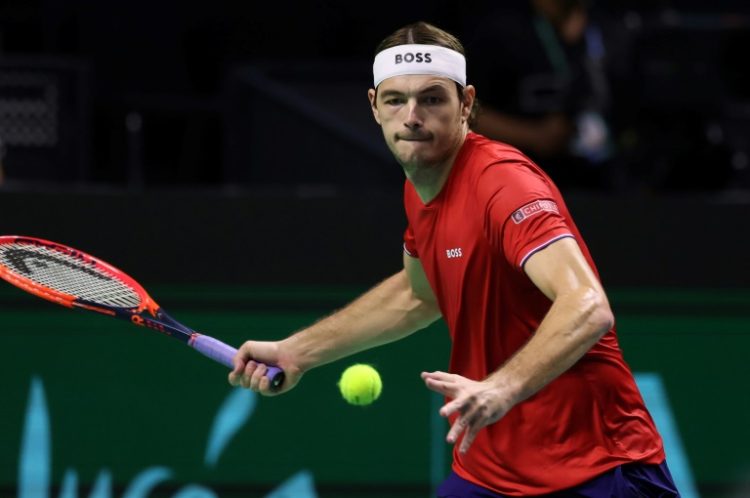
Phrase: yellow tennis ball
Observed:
(360, 384)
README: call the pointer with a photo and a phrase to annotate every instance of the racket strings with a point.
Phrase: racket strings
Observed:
(67, 274)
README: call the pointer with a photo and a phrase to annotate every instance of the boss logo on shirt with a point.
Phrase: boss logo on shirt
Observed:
(533, 208)
(453, 253)
(416, 57)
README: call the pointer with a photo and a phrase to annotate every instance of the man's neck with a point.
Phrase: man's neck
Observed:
(429, 180)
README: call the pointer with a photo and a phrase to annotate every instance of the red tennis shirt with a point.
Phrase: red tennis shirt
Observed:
(497, 208)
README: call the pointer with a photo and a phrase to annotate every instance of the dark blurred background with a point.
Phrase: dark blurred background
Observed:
(141, 94)
(248, 121)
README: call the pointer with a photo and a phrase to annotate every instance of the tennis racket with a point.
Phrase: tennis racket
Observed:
(74, 279)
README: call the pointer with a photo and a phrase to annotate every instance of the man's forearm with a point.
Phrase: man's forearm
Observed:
(385, 313)
(545, 136)
(574, 323)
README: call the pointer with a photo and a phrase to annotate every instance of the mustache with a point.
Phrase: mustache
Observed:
(414, 136)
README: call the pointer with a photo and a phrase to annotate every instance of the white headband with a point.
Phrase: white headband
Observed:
(419, 59)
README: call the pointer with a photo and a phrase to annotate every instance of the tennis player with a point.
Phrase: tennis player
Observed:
(539, 397)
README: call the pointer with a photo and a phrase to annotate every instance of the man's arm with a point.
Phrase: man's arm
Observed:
(579, 316)
(395, 308)
(545, 136)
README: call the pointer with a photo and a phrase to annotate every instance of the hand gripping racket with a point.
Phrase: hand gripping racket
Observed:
(75, 279)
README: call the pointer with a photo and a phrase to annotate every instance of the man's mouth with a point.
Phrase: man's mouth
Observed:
(414, 139)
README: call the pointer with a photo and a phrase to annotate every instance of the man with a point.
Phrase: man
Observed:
(540, 399)
(545, 70)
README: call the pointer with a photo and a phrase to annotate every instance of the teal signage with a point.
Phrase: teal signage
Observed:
(34, 469)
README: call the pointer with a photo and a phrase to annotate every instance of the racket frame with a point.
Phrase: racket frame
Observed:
(147, 314)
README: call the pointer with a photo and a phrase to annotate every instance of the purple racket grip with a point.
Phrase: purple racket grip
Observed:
(224, 353)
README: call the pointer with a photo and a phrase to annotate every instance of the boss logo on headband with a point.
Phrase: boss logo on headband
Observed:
(414, 57)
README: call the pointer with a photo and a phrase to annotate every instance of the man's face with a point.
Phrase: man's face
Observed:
(422, 119)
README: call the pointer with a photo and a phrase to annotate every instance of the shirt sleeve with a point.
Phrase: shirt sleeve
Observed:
(522, 215)
(410, 246)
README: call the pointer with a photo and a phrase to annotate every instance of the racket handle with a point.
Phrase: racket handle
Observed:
(224, 353)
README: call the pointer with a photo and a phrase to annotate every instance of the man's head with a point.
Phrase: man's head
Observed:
(420, 97)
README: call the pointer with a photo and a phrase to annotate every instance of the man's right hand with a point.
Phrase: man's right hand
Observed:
(250, 367)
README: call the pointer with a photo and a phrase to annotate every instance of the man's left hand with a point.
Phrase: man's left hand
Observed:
(478, 404)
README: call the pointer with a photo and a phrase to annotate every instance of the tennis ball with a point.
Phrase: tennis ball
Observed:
(360, 384)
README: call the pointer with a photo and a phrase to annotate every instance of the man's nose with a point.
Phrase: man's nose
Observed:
(413, 119)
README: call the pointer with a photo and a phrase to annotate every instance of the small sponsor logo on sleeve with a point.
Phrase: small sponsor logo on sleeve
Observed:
(533, 208)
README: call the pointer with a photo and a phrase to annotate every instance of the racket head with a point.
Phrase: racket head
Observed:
(75, 279)
(69, 277)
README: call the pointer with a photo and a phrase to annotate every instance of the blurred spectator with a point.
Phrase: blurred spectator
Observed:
(542, 77)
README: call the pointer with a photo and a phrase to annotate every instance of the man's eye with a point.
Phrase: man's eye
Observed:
(394, 101)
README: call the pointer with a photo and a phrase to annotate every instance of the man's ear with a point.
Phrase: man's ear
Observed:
(470, 93)
(373, 105)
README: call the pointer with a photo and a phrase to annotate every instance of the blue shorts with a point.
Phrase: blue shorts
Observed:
(633, 480)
